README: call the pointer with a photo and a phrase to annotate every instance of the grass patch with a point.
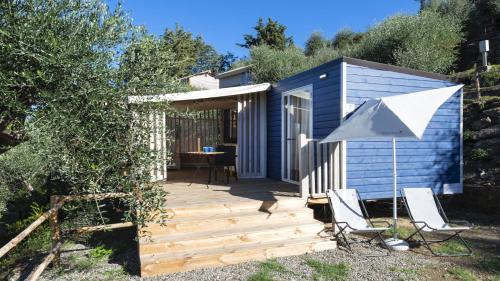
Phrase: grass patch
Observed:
(462, 274)
(490, 264)
(93, 258)
(273, 266)
(402, 231)
(268, 269)
(325, 271)
(115, 274)
(450, 247)
(261, 276)
(407, 272)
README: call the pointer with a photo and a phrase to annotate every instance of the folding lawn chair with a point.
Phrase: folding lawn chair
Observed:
(347, 217)
(427, 215)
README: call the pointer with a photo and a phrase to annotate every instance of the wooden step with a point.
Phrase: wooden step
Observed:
(192, 242)
(169, 263)
(193, 210)
(224, 221)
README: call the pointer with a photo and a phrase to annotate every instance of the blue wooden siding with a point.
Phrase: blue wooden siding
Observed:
(430, 162)
(326, 108)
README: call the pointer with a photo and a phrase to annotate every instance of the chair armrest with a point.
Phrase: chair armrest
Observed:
(381, 222)
(344, 222)
(462, 222)
(425, 225)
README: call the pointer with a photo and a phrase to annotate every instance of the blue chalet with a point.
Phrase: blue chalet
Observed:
(269, 135)
(315, 102)
(275, 129)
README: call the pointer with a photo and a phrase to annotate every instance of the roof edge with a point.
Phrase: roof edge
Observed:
(394, 68)
(233, 71)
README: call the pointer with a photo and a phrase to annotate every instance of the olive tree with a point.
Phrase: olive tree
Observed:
(427, 41)
(63, 102)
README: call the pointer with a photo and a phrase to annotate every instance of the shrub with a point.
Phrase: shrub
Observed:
(479, 154)
(100, 253)
(427, 41)
(271, 65)
(490, 78)
(467, 135)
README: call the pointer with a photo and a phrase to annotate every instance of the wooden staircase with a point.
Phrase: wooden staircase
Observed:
(219, 234)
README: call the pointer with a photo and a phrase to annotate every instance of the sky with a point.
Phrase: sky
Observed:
(222, 23)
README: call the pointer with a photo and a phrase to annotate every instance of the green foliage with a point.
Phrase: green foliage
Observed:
(407, 272)
(261, 276)
(184, 48)
(115, 274)
(268, 269)
(450, 247)
(467, 135)
(12, 229)
(272, 34)
(459, 9)
(325, 271)
(491, 77)
(63, 102)
(271, 65)
(273, 266)
(146, 67)
(93, 258)
(402, 231)
(479, 154)
(490, 264)
(314, 43)
(100, 252)
(37, 242)
(346, 38)
(191, 54)
(463, 274)
(427, 41)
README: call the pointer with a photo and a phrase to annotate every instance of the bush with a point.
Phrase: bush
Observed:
(427, 41)
(479, 154)
(467, 135)
(271, 65)
(490, 78)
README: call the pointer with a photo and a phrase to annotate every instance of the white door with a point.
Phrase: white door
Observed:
(297, 119)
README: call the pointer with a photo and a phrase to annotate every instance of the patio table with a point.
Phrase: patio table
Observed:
(210, 158)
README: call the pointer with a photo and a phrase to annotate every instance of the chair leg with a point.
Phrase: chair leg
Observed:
(428, 243)
(344, 240)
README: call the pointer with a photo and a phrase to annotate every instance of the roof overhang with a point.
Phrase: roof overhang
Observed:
(203, 99)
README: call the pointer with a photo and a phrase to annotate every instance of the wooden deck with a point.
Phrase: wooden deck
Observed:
(184, 190)
(221, 224)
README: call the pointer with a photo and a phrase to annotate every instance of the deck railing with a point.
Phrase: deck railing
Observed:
(319, 166)
(56, 203)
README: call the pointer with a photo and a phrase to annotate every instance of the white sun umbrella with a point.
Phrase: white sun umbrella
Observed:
(399, 116)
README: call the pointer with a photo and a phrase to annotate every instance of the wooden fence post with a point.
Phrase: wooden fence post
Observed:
(55, 229)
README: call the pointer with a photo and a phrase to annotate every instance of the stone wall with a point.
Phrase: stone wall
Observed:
(482, 142)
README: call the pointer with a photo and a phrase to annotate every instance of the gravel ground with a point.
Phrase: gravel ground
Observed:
(397, 266)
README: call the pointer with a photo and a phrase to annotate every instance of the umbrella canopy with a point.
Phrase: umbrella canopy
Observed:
(395, 116)
(400, 116)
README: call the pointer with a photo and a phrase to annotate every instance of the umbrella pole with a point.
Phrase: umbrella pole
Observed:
(394, 243)
(394, 186)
